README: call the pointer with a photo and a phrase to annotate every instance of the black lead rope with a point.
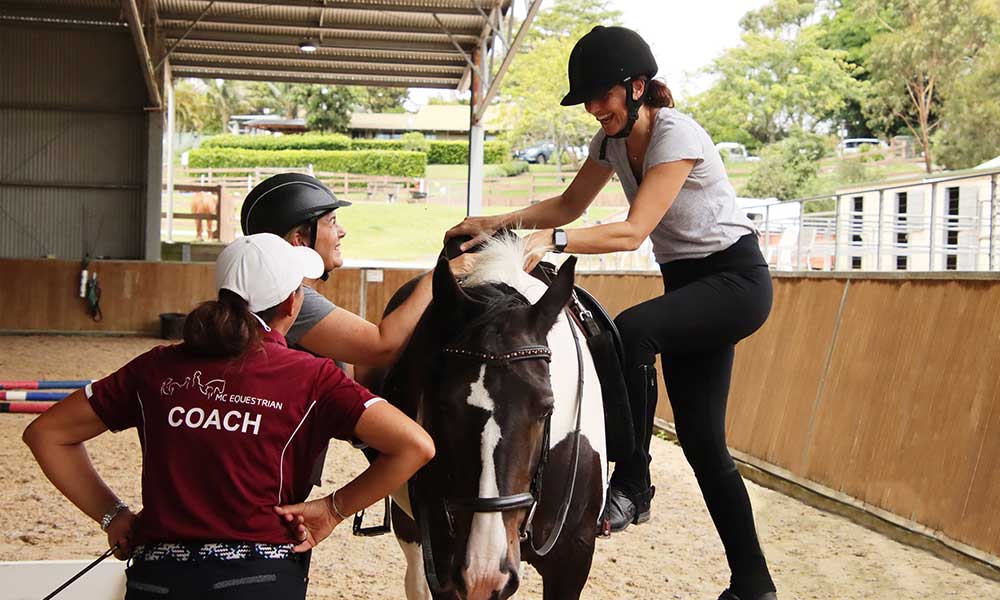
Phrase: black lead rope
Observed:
(81, 573)
(423, 523)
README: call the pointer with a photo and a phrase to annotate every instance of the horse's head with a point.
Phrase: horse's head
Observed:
(487, 410)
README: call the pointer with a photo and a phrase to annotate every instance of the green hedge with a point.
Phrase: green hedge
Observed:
(440, 152)
(375, 144)
(457, 153)
(309, 141)
(396, 163)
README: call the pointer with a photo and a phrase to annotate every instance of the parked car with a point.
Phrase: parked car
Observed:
(540, 153)
(735, 152)
(853, 145)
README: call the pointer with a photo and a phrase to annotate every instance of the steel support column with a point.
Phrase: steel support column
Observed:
(477, 140)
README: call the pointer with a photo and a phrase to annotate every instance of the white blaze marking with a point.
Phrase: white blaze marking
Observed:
(488, 538)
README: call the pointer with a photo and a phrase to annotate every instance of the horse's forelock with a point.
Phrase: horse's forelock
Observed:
(500, 260)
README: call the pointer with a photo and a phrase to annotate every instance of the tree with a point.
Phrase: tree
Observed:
(922, 47)
(283, 99)
(970, 113)
(535, 85)
(381, 99)
(844, 28)
(788, 168)
(228, 98)
(781, 79)
(193, 109)
(780, 16)
(328, 108)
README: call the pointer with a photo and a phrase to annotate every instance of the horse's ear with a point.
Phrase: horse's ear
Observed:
(448, 296)
(548, 307)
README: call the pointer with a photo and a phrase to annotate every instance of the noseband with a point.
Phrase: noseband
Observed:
(521, 500)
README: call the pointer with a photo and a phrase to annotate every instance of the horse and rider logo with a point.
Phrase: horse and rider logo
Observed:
(212, 389)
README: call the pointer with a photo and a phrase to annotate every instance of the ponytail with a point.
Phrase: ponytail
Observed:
(223, 328)
(657, 94)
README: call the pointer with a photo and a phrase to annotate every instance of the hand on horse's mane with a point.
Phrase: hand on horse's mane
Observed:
(463, 264)
(536, 246)
(471, 232)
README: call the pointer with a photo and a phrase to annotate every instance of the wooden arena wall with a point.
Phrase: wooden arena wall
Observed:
(884, 389)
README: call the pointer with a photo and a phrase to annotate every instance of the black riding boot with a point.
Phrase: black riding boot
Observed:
(631, 491)
(728, 595)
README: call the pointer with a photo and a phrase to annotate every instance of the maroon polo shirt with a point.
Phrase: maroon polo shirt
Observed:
(224, 441)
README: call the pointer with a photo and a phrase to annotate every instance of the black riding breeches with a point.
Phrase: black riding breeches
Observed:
(286, 579)
(709, 304)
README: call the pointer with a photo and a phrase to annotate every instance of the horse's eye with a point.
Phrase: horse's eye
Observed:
(546, 413)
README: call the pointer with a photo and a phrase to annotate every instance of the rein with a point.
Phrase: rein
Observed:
(521, 500)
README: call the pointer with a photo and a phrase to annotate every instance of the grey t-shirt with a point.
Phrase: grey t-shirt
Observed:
(315, 307)
(704, 217)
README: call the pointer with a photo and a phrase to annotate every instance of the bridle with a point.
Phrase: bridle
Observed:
(520, 500)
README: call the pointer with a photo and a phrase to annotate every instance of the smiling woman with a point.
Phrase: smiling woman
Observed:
(717, 286)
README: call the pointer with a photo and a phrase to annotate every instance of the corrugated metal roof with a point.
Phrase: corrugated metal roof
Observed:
(400, 43)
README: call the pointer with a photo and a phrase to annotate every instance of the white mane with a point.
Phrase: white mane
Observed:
(501, 260)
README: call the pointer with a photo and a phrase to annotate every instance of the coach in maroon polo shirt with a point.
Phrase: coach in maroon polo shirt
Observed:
(230, 422)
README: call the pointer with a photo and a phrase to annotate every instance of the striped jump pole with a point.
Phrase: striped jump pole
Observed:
(24, 407)
(44, 384)
(33, 396)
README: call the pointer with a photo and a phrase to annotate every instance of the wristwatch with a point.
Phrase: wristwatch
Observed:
(111, 514)
(559, 240)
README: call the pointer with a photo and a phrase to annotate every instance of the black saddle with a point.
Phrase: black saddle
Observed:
(605, 344)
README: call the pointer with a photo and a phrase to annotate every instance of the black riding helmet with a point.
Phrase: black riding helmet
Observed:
(280, 203)
(604, 58)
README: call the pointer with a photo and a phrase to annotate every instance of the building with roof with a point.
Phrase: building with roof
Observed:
(435, 121)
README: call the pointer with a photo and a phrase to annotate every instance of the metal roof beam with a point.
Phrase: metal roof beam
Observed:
(148, 73)
(332, 38)
(390, 22)
(322, 54)
(25, 10)
(451, 7)
(480, 110)
(320, 78)
(183, 59)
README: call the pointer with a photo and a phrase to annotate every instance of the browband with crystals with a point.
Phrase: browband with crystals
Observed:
(522, 353)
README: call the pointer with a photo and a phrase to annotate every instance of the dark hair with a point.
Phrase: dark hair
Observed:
(657, 94)
(224, 328)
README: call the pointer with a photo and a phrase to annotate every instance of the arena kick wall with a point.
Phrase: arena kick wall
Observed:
(883, 390)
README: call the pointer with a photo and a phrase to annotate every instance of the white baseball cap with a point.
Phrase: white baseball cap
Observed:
(264, 269)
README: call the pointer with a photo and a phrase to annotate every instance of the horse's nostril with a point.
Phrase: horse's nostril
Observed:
(512, 584)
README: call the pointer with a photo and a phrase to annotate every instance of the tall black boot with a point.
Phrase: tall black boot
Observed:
(631, 489)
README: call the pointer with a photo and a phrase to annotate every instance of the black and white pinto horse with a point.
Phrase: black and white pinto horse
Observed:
(501, 378)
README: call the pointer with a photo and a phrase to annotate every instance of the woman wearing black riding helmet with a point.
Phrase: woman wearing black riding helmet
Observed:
(717, 285)
(301, 209)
